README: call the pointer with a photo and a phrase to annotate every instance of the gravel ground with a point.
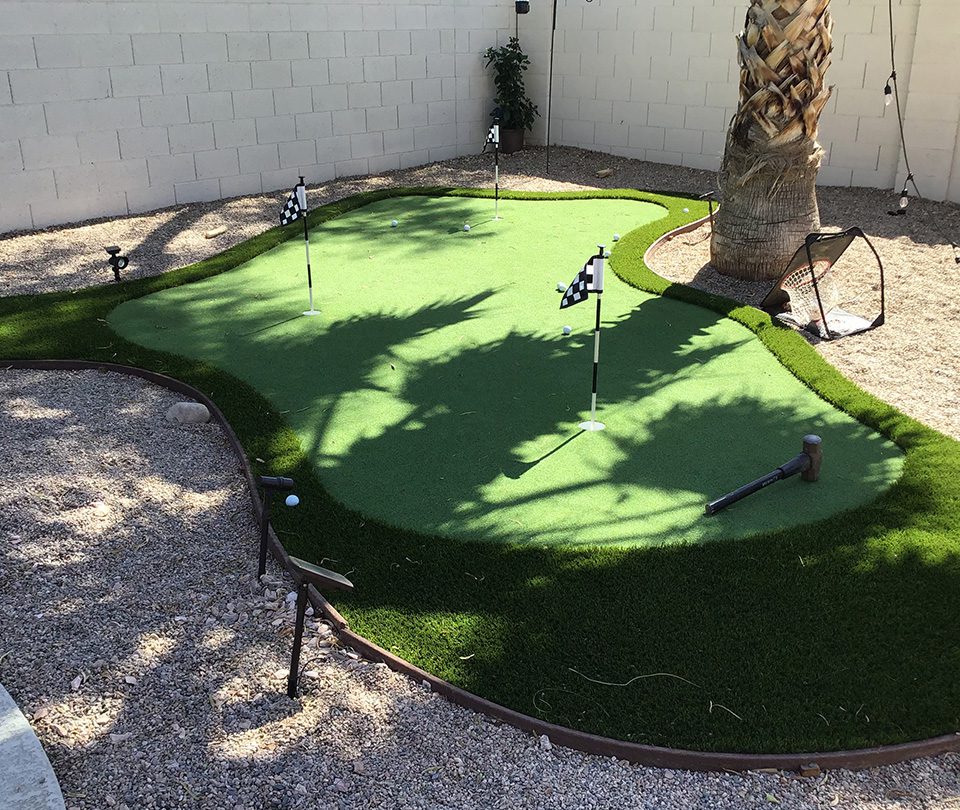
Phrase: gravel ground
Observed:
(151, 664)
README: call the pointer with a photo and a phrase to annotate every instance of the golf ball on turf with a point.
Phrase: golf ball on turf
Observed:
(616, 237)
(567, 330)
(561, 286)
(292, 500)
(686, 210)
(393, 223)
(466, 227)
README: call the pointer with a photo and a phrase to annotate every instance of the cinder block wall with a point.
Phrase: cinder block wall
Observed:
(657, 80)
(115, 107)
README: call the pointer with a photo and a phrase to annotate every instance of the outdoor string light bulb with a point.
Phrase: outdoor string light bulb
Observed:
(887, 95)
(904, 198)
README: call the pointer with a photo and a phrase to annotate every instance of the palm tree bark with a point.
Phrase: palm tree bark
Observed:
(768, 177)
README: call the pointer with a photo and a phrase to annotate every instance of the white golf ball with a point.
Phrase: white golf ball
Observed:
(606, 254)
(292, 500)
(616, 237)
(561, 286)
(567, 330)
(686, 210)
(466, 227)
(393, 223)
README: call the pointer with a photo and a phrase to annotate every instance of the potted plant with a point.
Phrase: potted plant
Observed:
(515, 110)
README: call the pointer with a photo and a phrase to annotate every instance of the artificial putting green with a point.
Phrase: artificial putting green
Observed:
(436, 391)
(835, 634)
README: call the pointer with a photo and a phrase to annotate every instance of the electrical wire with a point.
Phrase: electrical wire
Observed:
(904, 194)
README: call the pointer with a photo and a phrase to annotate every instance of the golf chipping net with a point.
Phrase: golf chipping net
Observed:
(833, 286)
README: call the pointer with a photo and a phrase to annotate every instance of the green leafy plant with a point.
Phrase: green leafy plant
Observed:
(509, 62)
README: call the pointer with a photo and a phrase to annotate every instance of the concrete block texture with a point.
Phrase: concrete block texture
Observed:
(229, 96)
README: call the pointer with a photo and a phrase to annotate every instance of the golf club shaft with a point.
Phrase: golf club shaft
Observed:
(792, 467)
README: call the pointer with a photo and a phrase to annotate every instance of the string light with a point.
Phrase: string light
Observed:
(890, 95)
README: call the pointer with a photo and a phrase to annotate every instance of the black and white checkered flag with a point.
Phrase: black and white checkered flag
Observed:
(292, 208)
(582, 285)
(493, 136)
(577, 291)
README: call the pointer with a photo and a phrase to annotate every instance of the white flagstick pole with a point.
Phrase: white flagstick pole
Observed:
(496, 170)
(302, 197)
(593, 424)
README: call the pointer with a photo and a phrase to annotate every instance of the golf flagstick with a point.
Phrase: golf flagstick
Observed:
(589, 280)
(493, 137)
(595, 286)
(302, 199)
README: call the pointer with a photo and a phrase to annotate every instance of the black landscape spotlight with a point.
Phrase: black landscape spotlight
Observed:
(271, 484)
(523, 6)
(323, 580)
(117, 262)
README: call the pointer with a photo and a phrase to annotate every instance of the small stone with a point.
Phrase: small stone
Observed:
(360, 768)
(604, 172)
(129, 679)
(545, 744)
(188, 413)
(75, 683)
(341, 786)
(811, 769)
(119, 738)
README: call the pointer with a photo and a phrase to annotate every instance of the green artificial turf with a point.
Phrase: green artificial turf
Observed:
(436, 391)
(837, 634)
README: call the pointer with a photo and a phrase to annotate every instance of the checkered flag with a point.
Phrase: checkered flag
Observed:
(493, 136)
(587, 281)
(293, 208)
(577, 291)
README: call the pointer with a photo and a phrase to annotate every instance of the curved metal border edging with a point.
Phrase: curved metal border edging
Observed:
(670, 235)
(650, 755)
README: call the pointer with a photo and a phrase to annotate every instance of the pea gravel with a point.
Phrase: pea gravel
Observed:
(152, 665)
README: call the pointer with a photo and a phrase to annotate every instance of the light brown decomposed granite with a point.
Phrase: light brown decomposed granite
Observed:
(152, 665)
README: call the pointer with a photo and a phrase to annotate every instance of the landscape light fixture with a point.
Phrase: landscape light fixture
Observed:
(116, 261)
(523, 6)
(322, 579)
(271, 484)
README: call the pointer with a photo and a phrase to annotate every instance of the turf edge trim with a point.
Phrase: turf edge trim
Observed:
(649, 755)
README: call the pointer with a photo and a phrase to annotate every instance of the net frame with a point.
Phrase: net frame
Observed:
(821, 250)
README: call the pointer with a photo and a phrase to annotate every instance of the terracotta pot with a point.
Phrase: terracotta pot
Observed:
(511, 140)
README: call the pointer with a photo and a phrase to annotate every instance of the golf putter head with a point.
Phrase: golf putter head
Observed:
(813, 449)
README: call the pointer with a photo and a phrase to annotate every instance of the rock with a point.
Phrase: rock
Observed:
(75, 683)
(119, 738)
(811, 769)
(604, 172)
(545, 744)
(188, 413)
(129, 679)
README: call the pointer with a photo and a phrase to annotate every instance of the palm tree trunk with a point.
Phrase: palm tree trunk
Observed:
(768, 176)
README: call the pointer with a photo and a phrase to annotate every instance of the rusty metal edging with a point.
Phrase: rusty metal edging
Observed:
(670, 235)
(649, 755)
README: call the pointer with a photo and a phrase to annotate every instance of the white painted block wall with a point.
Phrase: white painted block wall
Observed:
(109, 106)
(116, 106)
(657, 80)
